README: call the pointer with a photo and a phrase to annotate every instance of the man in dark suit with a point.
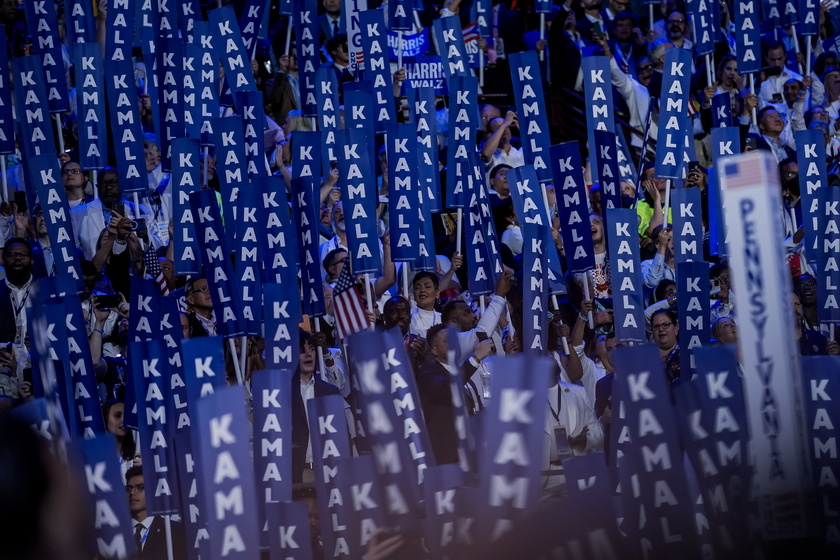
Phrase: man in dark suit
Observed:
(202, 320)
(305, 386)
(14, 290)
(150, 530)
(332, 22)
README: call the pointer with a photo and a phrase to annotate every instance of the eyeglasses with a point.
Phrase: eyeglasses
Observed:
(647, 68)
(129, 488)
(19, 255)
(670, 21)
(671, 293)
(205, 288)
(72, 172)
(662, 326)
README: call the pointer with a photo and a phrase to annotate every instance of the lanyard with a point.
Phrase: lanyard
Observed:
(556, 413)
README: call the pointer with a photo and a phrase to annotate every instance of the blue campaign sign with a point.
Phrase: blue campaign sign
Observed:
(225, 475)
(144, 321)
(305, 207)
(194, 525)
(150, 373)
(80, 28)
(403, 192)
(674, 126)
(106, 487)
(748, 36)
(527, 194)
(828, 294)
(49, 188)
(725, 141)
(531, 110)
(173, 335)
(400, 14)
(289, 536)
(535, 290)
(125, 123)
(421, 103)
(79, 366)
(272, 404)
(514, 426)
(606, 160)
(7, 123)
(46, 45)
(305, 17)
(413, 44)
(377, 66)
(206, 79)
(231, 168)
(790, 12)
(249, 230)
(722, 110)
(425, 71)
(688, 224)
(453, 51)
(482, 281)
(626, 275)
(250, 105)
(92, 124)
(227, 306)
(597, 88)
(359, 201)
(231, 49)
(185, 179)
(358, 110)
(171, 78)
(250, 22)
(279, 249)
(32, 107)
(770, 14)
(463, 124)
(810, 152)
(573, 208)
(701, 12)
(189, 11)
(693, 311)
(282, 313)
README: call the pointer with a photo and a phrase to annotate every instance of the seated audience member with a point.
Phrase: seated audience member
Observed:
(150, 530)
(665, 332)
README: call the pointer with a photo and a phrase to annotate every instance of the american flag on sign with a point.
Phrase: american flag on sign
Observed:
(748, 170)
(350, 313)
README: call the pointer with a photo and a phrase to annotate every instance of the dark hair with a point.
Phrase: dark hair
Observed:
(66, 163)
(495, 170)
(449, 309)
(335, 41)
(672, 315)
(305, 338)
(723, 62)
(426, 274)
(188, 288)
(132, 472)
(331, 255)
(501, 212)
(434, 331)
(718, 269)
(16, 241)
(659, 292)
(763, 111)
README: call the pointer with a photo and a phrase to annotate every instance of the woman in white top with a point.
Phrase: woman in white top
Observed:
(426, 293)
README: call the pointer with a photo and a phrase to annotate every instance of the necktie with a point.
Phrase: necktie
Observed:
(138, 534)
(335, 27)
(474, 390)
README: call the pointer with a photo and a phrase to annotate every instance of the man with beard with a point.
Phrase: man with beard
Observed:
(676, 26)
(14, 301)
(591, 20)
(772, 87)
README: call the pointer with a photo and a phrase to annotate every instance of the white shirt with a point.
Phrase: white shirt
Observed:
(307, 392)
(422, 321)
(147, 524)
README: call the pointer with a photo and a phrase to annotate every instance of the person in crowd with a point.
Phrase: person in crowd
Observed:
(507, 225)
(397, 313)
(665, 332)
(202, 319)
(776, 133)
(498, 149)
(333, 263)
(662, 265)
(76, 184)
(113, 411)
(331, 23)
(150, 530)
(426, 293)
(601, 272)
(772, 86)
(499, 186)
(626, 42)
(336, 47)
(284, 90)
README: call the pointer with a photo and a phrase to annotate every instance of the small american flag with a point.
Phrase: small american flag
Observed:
(748, 170)
(350, 313)
(153, 269)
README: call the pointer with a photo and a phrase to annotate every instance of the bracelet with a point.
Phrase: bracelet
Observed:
(583, 317)
(100, 331)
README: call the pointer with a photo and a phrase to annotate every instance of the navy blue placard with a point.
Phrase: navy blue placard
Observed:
(748, 36)
(358, 110)
(712, 423)
(34, 413)
(626, 275)
(7, 123)
(185, 179)
(527, 196)
(249, 231)
(822, 417)
(673, 115)
(725, 141)
(208, 80)
(171, 79)
(400, 14)
(403, 192)
(272, 405)
(224, 473)
(231, 49)
(231, 168)
(606, 160)
(573, 208)
(279, 244)
(653, 458)
(479, 264)
(305, 17)
(44, 172)
(289, 537)
(282, 312)
(790, 12)
(250, 105)
(250, 22)
(46, 45)
(441, 508)
(326, 98)
(189, 11)
(90, 99)
(722, 109)
(534, 291)
(810, 153)
(483, 10)
(80, 367)
(330, 444)
(217, 267)
(106, 487)
(368, 502)
(704, 31)
(531, 110)
(52, 352)
(144, 321)
(693, 311)
(453, 51)
(828, 272)
(125, 123)
(688, 224)
(119, 30)
(194, 525)
(770, 15)
(47, 380)
(173, 334)
(377, 66)
(359, 199)
(150, 373)
(421, 104)
(514, 429)
(597, 88)
(461, 152)
(80, 27)
(32, 108)
(191, 89)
